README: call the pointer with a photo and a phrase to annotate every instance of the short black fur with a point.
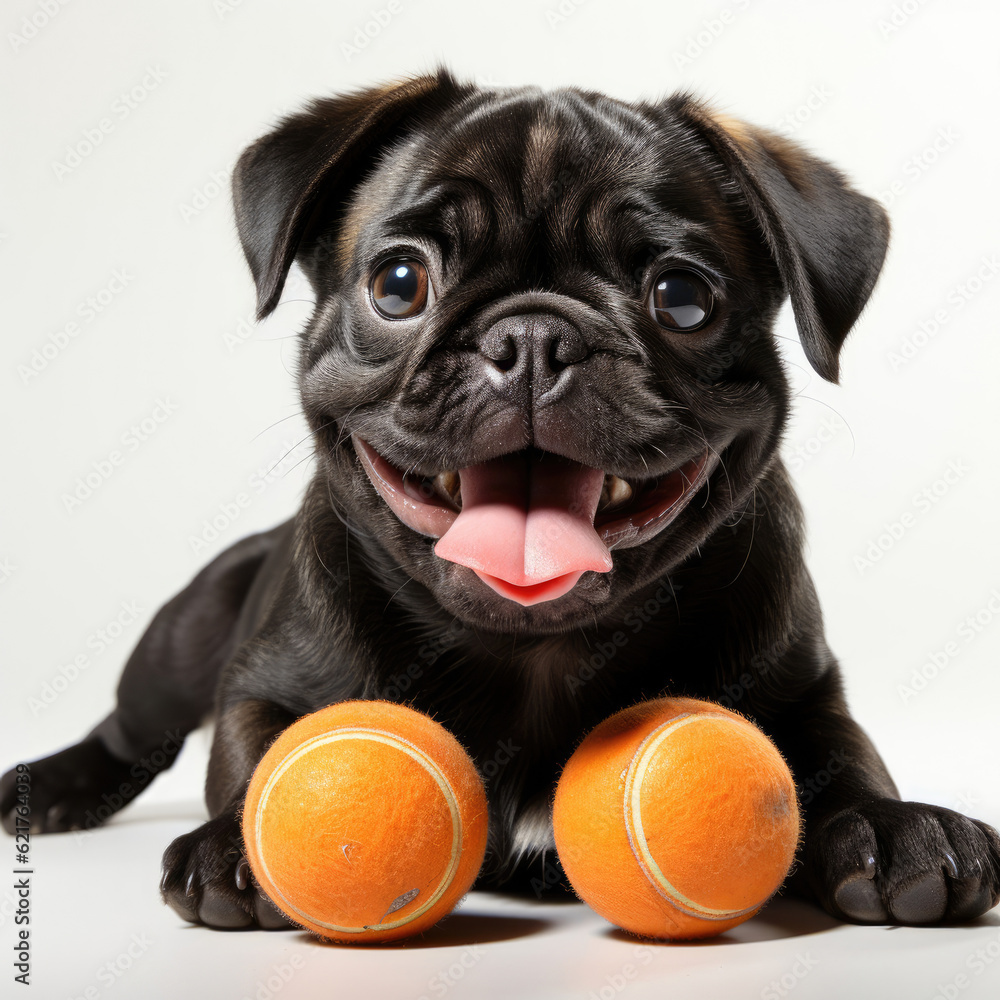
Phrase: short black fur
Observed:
(542, 217)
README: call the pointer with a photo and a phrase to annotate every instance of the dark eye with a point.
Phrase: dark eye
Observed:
(680, 300)
(399, 289)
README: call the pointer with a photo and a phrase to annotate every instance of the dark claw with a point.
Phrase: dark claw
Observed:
(242, 874)
(55, 818)
(904, 862)
(207, 880)
(72, 789)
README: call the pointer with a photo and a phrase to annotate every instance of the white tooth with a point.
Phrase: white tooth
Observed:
(615, 492)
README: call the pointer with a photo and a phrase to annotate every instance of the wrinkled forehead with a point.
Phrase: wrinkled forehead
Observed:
(577, 173)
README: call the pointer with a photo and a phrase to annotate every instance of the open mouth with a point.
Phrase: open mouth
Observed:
(531, 523)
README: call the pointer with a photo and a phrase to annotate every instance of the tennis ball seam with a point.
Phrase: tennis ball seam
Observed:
(390, 739)
(632, 808)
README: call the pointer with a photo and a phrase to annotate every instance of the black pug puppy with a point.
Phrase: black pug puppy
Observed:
(546, 405)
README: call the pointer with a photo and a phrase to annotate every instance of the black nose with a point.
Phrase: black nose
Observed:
(535, 346)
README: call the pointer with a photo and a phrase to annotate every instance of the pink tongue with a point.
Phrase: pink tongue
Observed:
(527, 526)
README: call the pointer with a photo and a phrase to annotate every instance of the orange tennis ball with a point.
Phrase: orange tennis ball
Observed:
(676, 818)
(365, 821)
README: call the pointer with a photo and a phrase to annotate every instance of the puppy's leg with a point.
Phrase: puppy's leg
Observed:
(869, 857)
(166, 690)
(206, 878)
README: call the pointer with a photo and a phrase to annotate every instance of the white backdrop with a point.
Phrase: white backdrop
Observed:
(129, 355)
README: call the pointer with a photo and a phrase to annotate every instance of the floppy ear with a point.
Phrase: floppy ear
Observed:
(281, 179)
(828, 240)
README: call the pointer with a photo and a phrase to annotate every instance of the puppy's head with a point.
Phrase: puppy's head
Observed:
(540, 370)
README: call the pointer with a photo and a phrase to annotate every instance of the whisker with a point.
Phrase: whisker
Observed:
(753, 532)
(287, 453)
(823, 402)
(280, 420)
(340, 517)
(343, 422)
(329, 572)
(392, 596)
(304, 458)
(285, 302)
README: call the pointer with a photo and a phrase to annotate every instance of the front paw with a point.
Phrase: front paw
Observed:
(206, 879)
(75, 789)
(887, 861)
